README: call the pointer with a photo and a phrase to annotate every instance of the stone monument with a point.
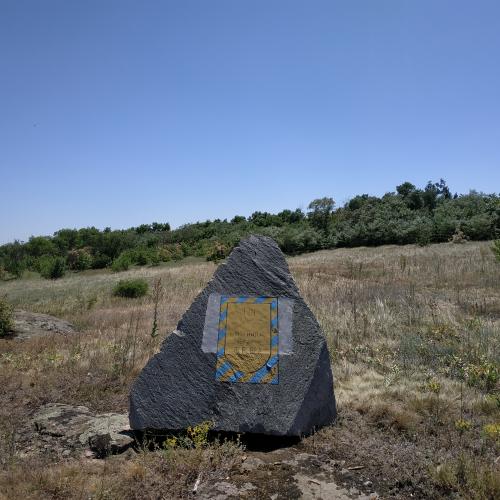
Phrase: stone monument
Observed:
(248, 355)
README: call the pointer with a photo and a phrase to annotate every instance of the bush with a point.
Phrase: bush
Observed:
(144, 255)
(170, 252)
(122, 262)
(458, 237)
(52, 267)
(79, 260)
(100, 261)
(218, 252)
(496, 249)
(300, 239)
(6, 321)
(131, 288)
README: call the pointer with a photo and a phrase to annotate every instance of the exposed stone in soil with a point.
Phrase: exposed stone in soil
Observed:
(29, 324)
(75, 427)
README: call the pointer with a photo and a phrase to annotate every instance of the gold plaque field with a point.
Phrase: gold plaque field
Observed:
(248, 336)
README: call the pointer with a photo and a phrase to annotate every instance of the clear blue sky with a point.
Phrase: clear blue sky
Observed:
(116, 113)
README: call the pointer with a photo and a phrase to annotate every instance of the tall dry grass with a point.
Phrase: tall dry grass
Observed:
(414, 337)
(413, 334)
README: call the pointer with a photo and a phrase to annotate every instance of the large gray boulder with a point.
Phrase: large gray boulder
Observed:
(248, 356)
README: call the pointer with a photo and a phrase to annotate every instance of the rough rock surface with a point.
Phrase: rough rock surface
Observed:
(29, 324)
(76, 426)
(177, 388)
(287, 473)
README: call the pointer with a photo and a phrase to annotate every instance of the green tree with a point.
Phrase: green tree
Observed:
(320, 211)
(291, 217)
(238, 219)
(264, 219)
(410, 195)
(65, 239)
(40, 245)
(14, 258)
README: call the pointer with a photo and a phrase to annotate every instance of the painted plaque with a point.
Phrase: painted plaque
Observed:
(247, 343)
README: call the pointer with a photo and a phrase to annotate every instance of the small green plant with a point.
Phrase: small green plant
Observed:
(52, 267)
(131, 289)
(199, 434)
(463, 425)
(482, 373)
(492, 431)
(6, 321)
(433, 386)
(195, 436)
(171, 443)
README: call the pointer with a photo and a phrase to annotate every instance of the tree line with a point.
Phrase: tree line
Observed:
(408, 215)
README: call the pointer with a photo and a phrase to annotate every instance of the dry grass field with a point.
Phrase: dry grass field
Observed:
(414, 338)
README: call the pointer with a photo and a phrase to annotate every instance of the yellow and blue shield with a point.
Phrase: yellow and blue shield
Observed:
(248, 340)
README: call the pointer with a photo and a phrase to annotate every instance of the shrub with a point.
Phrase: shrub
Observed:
(131, 288)
(196, 436)
(496, 249)
(100, 261)
(176, 252)
(122, 262)
(79, 260)
(6, 322)
(164, 254)
(141, 256)
(458, 237)
(14, 258)
(492, 431)
(300, 239)
(483, 374)
(218, 252)
(52, 267)
(144, 256)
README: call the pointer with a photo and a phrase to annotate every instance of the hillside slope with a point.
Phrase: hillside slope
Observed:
(414, 337)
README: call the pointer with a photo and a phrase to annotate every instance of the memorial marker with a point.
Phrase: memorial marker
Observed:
(248, 338)
(248, 355)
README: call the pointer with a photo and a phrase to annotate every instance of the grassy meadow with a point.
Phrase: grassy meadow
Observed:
(414, 338)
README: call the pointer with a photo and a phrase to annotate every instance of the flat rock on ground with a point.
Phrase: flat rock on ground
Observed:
(77, 427)
(29, 324)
